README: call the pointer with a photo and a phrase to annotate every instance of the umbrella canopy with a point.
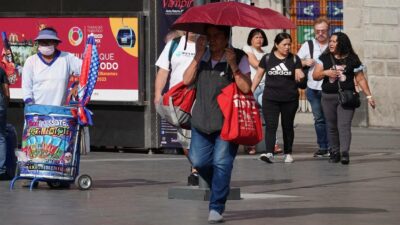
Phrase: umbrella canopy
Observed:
(196, 18)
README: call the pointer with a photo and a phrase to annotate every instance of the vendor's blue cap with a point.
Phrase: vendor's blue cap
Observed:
(47, 35)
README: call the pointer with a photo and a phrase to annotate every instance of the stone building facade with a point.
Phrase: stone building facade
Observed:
(373, 26)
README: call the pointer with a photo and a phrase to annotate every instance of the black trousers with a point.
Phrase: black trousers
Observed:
(287, 111)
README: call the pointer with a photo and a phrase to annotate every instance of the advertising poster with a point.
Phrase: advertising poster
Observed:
(48, 142)
(169, 11)
(116, 40)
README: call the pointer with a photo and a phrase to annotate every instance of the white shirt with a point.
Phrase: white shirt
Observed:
(180, 60)
(304, 53)
(46, 84)
(258, 55)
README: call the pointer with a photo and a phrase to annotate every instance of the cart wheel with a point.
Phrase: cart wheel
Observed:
(58, 184)
(84, 182)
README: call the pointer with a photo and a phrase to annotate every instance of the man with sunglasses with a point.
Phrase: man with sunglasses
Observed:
(314, 90)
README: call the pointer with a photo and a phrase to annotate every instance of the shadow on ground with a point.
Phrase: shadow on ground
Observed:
(126, 183)
(245, 183)
(292, 212)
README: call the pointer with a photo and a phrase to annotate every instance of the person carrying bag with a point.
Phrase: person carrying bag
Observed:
(347, 98)
(337, 67)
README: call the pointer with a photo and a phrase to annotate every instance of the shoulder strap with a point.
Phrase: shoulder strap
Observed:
(267, 58)
(311, 47)
(174, 45)
(334, 66)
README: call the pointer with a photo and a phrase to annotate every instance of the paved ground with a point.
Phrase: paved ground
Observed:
(132, 189)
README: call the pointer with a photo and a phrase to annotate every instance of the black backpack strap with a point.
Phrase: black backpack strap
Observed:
(174, 45)
(311, 47)
(267, 58)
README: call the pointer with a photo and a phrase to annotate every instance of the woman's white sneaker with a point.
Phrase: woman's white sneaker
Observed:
(288, 158)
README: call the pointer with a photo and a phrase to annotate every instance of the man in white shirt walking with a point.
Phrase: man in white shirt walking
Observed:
(172, 63)
(319, 44)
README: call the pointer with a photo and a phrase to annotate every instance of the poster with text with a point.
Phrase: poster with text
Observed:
(168, 12)
(117, 41)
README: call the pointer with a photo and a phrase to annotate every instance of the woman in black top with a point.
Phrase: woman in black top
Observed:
(280, 95)
(339, 63)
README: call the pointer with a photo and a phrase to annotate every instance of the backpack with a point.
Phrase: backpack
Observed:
(311, 48)
(176, 104)
(303, 84)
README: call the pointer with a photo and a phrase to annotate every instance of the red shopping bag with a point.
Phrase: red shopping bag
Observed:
(176, 105)
(242, 122)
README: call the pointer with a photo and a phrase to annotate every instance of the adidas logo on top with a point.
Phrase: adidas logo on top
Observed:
(280, 69)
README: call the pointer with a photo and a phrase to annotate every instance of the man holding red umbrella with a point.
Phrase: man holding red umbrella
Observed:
(212, 69)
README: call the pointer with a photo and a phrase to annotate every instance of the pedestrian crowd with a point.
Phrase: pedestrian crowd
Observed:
(325, 66)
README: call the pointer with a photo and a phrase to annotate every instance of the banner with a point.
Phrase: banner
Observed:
(117, 40)
(49, 142)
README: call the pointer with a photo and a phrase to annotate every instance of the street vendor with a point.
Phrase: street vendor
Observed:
(46, 75)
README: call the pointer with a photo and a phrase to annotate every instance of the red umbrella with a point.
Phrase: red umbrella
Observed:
(230, 14)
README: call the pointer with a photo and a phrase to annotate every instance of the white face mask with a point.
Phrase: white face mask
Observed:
(46, 50)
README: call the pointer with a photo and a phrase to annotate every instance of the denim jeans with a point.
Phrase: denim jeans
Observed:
(314, 97)
(3, 145)
(258, 94)
(213, 158)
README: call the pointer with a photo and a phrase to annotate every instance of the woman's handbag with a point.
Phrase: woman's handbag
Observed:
(347, 98)
(242, 122)
(302, 84)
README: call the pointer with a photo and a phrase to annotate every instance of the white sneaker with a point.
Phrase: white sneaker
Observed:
(267, 157)
(288, 158)
(215, 217)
